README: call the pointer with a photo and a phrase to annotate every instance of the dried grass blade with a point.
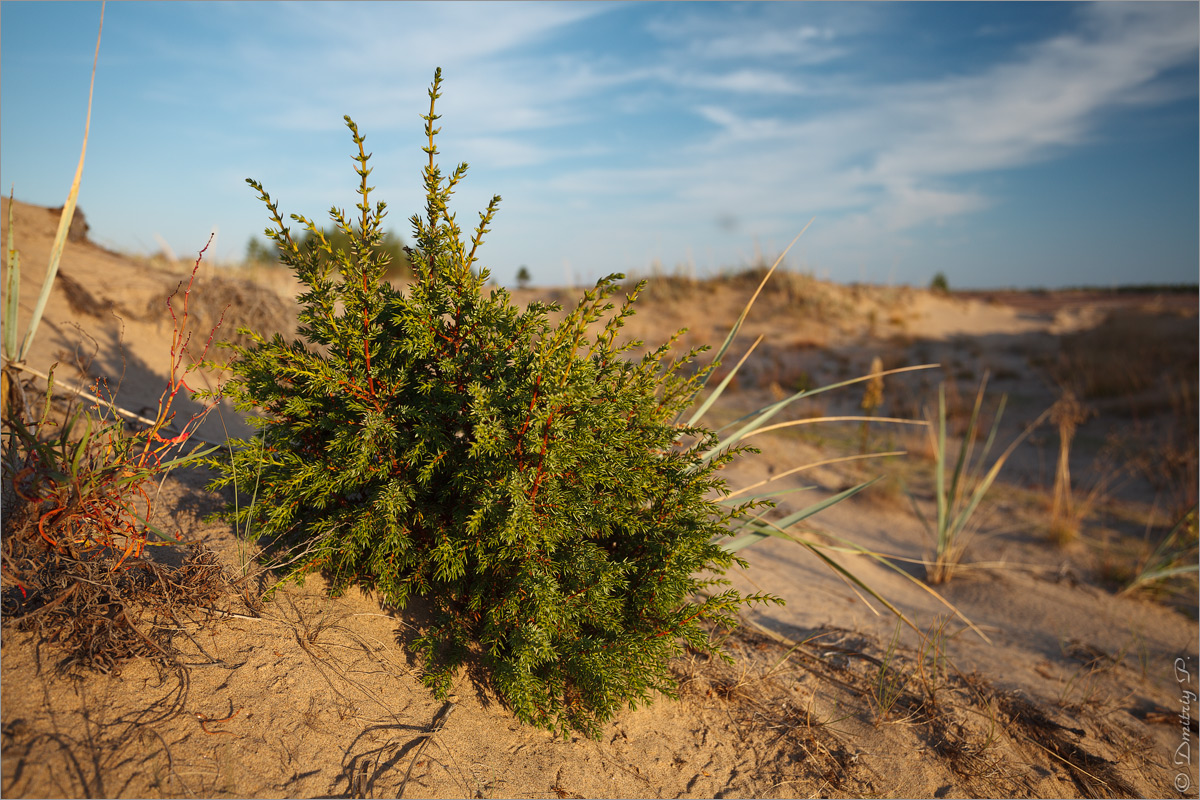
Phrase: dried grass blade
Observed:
(813, 465)
(764, 414)
(737, 326)
(68, 213)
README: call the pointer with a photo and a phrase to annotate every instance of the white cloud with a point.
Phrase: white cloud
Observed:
(742, 36)
(747, 81)
(378, 37)
(897, 146)
(381, 56)
(1024, 111)
(764, 112)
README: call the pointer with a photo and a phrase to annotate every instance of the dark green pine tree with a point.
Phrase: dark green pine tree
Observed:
(525, 479)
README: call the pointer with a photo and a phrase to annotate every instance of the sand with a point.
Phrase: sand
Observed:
(1060, 686)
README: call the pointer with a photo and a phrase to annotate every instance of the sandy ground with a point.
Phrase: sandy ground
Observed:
(1060, 686)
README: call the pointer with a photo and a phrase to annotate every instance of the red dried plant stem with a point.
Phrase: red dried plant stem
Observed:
(102, 514)
(367, 327)
(537, 383)
(180, 340)
(537, 481)
(367, 351)
(42, 522)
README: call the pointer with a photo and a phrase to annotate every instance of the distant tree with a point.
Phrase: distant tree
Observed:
(258, 252)
(939, 284)
(523, 276)
(392, 245)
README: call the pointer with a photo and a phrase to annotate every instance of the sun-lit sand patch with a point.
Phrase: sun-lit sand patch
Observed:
(1063, 687)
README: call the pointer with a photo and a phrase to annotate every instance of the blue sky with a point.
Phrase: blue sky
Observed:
(1004, 144)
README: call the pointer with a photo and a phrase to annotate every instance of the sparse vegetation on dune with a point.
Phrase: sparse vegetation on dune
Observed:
(900, 692)
(544, 489)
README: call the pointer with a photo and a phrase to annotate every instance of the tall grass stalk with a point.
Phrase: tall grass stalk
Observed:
(872, 400)
(747, 531)
(961, 489)
(12, 290)
(1065, 515)
(888, 686)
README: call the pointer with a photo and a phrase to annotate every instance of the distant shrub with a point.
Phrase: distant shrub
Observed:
(389, 245)
(939, 284)
(258, 252)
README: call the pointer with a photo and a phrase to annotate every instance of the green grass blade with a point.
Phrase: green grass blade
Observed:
(764, 414)
(778, 529)
(136, 477)
(887, 562)
(1156, 575)
(166, 537)
(12, 290)
(940, 472)
(958, 502)
(986, 483)
(765, 495)
(964, 451)
(850, 576)
(721, 386)
(1165, 561)
(80, 447)
(816, 508)
(813, 465)
(185, 459)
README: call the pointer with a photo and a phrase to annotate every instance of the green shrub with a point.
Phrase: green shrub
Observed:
(526, 480)
(939, 284)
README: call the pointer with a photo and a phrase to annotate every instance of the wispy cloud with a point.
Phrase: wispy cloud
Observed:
(736, 113)
(760, 36)
(380, 56)
(740, 81)
(612, 129)
(901, 147)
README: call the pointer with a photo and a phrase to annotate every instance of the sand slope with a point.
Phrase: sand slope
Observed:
(1075, 691)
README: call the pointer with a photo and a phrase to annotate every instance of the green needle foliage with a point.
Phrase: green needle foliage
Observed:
(525, 479)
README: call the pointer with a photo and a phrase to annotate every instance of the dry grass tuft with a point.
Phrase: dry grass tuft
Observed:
(1143, 366)
(1067, 413)
(101, 615)
(243, 303)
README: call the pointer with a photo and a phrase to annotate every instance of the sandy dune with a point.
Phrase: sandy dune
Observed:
(1064, 687)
